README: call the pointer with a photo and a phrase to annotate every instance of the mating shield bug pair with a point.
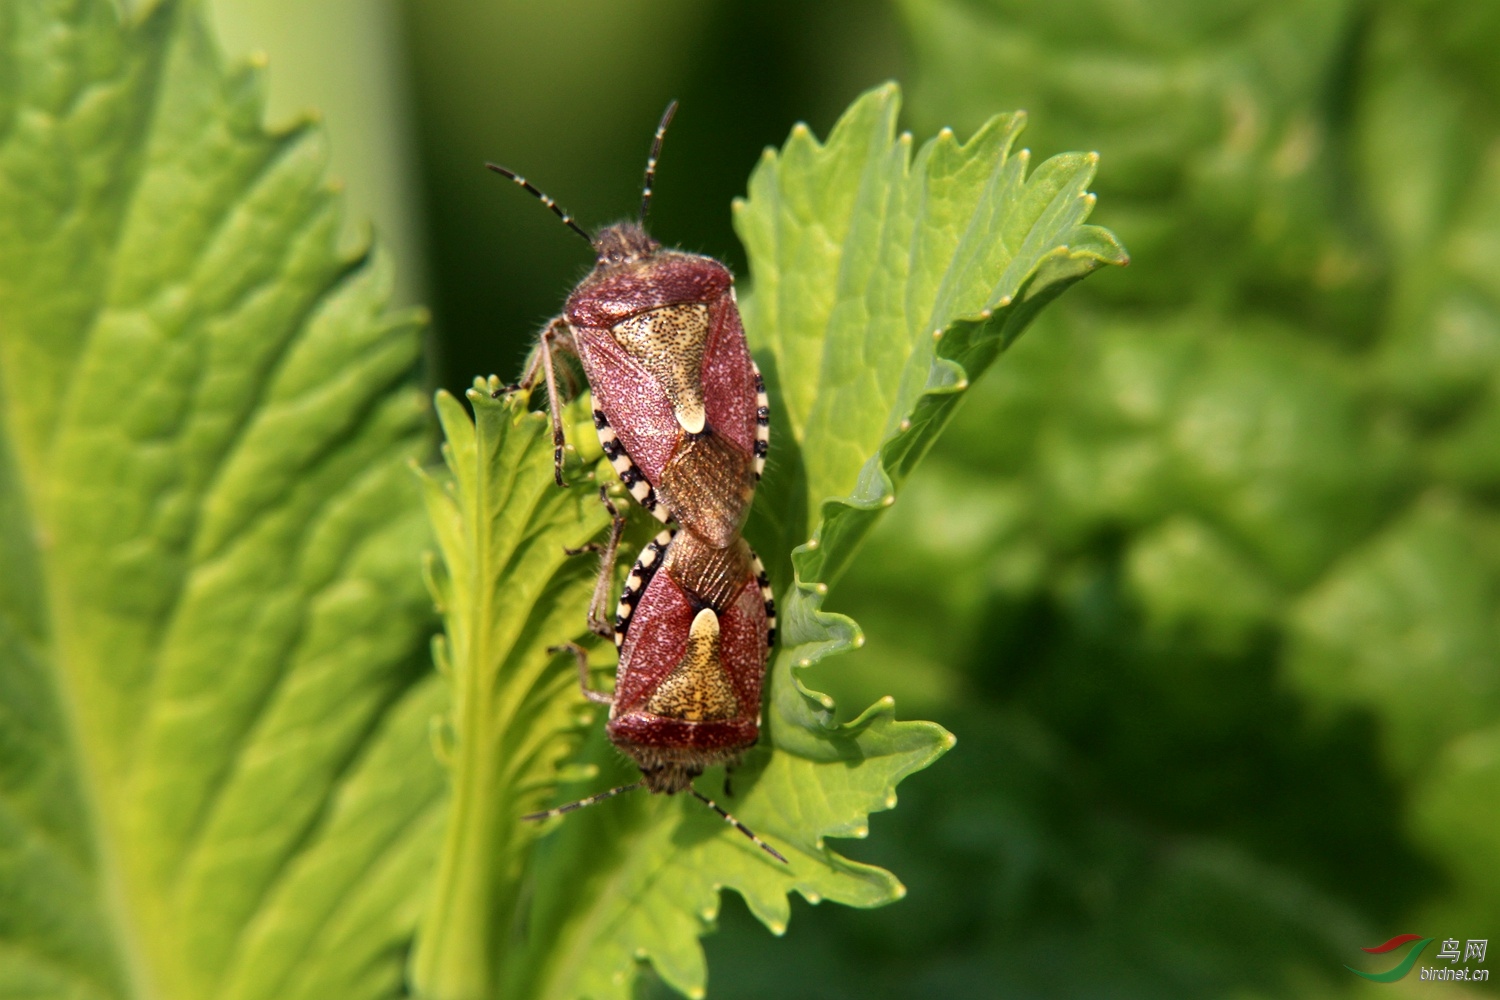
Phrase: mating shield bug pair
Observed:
(683, 417)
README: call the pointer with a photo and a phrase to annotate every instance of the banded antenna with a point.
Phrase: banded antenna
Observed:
(600, 797)
(737, 825)
(581, 803)
(545, 199)
(661, 131)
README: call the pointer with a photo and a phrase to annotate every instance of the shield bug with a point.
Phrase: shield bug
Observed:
(679, 404)
(693, 626)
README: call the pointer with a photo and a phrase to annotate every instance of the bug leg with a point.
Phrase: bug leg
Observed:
(729, 782)
(561, 339)
(579, 653)
(555, 337)
(599, 624)
(554, 404)
(528, 377)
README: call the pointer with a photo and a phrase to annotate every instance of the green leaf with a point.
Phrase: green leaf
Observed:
(212, 695)
(1214, 120)
(507, 591)
(874, 311)
(881, 286)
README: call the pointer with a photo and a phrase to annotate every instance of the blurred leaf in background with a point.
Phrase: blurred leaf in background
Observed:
(345, 62)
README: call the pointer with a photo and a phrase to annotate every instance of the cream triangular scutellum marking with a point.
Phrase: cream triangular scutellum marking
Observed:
(705, 627)
(691, 417)
(697, 689)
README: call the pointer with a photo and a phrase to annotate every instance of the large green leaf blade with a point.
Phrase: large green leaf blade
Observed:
(210, 415)
(56, 931)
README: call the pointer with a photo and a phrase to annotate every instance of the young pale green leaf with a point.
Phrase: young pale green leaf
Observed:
(508, 590)
(881, 286)
(212, 706)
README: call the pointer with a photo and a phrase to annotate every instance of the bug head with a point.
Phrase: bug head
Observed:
(623, 243)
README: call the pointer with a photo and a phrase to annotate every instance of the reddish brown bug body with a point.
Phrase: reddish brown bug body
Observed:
(678, 402)
(694, 624)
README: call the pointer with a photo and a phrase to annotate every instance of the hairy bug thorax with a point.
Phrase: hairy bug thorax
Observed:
(682, 415)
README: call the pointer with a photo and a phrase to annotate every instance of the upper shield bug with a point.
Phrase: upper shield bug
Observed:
(693, 627)
(679, 404)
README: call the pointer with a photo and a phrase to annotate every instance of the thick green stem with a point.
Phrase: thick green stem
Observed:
(454, 956)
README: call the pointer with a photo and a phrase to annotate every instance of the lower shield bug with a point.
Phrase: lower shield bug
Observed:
(679, 404)
(693, 625)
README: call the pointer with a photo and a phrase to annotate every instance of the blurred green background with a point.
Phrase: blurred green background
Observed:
(1206, 575)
